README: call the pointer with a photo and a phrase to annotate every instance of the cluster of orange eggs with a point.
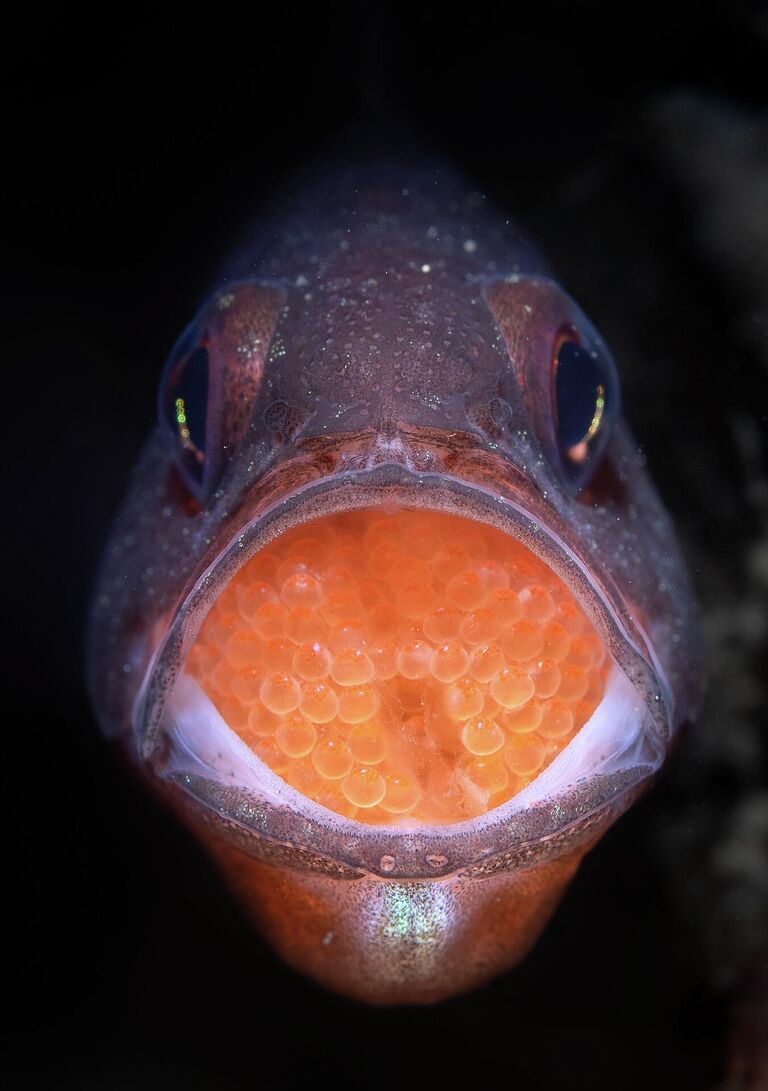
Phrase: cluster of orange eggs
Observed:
(413, 664)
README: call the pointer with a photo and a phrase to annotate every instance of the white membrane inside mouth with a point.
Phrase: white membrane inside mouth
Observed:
(618, 736)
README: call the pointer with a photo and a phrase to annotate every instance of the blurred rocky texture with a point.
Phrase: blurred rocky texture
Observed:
(715, 837)
(663, 236)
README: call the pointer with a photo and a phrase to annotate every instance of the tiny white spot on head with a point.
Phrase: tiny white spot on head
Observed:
(426, 268)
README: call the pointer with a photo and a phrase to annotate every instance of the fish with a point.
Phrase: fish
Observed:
(392, 616)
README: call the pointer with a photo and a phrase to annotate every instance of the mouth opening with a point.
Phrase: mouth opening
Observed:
(405, 668)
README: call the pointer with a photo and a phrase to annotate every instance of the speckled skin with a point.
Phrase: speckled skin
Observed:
(388, 341)
(401, 942)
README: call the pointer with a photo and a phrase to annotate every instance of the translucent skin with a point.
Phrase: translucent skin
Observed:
(405, 942)
(393, 345)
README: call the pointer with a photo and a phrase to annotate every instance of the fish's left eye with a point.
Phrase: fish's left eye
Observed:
(183, 406)
(585, 400)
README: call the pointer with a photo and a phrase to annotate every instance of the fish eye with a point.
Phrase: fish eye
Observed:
(183, 407)
(585, 402)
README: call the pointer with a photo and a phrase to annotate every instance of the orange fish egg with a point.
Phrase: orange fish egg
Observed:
(557, 642)
(332, 758)
(525, 718)
(524, 640)
(442, 624)
(383, 655)
(463, 699)
(311, 662)
(301, 589)
(479, 626)
(450, 561)
(488, 774)
(246, 685)
(537, 603)
(269, 620)
(260, 720)
(303, 625)
(505, 605)
(401, 794)
(367, 742)
(449, 662)
(486, 661)
(414, 659)
(482, 737)
(251, 595)
(524, 754)
(466, 591)
(512, 687)
(364, 787)
(357, 704)
(280, 693)
(351, 667)
(416, 600)
(241, 648)
(277, 654)
(545, 675)
(557, 720)
(318, 702)
(296, 737)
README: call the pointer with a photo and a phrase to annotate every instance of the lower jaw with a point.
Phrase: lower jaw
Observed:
(389, 942)
(386, 941)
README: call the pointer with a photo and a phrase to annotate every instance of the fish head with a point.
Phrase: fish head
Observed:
(392, 613)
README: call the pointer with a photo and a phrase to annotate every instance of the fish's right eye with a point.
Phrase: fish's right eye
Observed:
(183, 407)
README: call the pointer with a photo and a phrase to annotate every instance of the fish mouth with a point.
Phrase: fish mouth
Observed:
(583, 786)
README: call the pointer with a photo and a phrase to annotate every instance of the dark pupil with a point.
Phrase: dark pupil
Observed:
(187, 403)
(580, 390)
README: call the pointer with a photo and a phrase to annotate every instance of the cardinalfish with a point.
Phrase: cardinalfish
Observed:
(392, 614)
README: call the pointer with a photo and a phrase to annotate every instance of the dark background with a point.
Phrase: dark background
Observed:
(631, 142)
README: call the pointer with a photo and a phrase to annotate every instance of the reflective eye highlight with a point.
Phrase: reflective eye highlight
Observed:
(585, 402)
(183, 407)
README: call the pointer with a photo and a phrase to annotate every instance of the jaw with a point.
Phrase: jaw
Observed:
(387, 942)
(408, 912)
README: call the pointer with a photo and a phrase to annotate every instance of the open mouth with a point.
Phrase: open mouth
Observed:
(405, 668)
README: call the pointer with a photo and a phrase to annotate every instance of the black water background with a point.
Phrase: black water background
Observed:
(135, 149)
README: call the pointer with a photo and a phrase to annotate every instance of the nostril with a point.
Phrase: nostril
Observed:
(410, 667)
